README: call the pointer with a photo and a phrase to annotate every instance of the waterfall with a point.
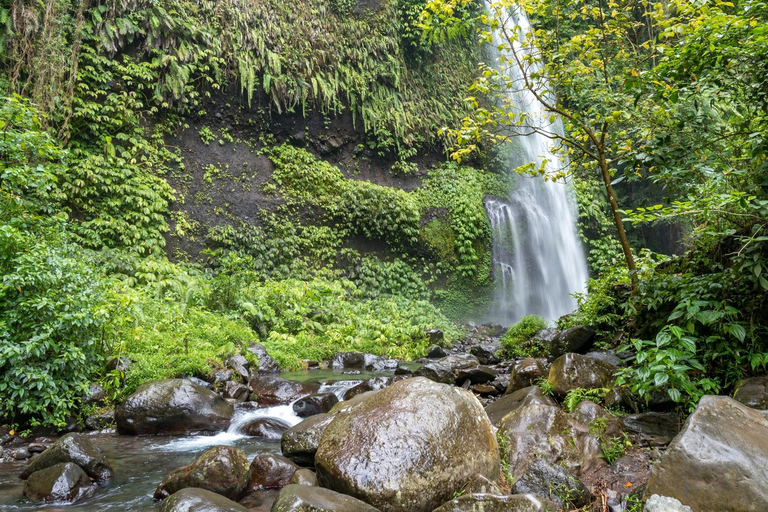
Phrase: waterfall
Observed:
(538, 259)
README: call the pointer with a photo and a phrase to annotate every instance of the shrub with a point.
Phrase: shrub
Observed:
(517, 341)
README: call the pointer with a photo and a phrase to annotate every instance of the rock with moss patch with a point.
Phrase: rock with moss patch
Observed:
(305, 498)
(75, 448)
(61, 483)
(221, 469)
(573, 371)
(199, 500)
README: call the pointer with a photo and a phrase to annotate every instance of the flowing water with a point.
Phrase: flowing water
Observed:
(141, 463)
(538, 259)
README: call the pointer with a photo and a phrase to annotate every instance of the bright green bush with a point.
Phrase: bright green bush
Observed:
(517, 341)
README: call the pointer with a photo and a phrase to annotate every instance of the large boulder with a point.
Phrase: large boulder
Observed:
(305, 498)
(65, 482)
(719, 461)
(545, 431)
(269, 390)
(577, 339)
(525, 373)
(266, 427)
(74, 448)
(221, 469)
(409, 447)
(169, 407)
(573, 371)
(495, 503)
(299, 443)
(315, 403)
(752, 392)
(508, 403)
(266, 363)
(199, 500)
(436, 372)
(270, 471)
(554, 482)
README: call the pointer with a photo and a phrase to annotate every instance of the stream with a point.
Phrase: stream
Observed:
(141, 463)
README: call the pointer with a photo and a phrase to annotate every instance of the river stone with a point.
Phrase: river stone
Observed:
(409, 447)
(266, 427)
(266, 363)
(221, 469)
(101, 420)
(75, 448)
(458, 362)
(481, 485)
(299, 443)
(354, 360)
(95, 394)
(435, 372)
(314, 404)
(269, 390)
(508, 403)
(573, 371)
(476, 375)
(653, 427)
(236, 391)
(718, 461)
(495, 503)
(305, 498)
(270, 471)
(436, 352)
(597, 418)
(524, 373)
(373, 384)
(658, 503)
(553, 482)
(303, 477)
(64, 483)
(545, 431)
(577, 339)
(609, 357)
(753, 392)
(169, 407)
(486, 354)
(240, 366)
(192, 499)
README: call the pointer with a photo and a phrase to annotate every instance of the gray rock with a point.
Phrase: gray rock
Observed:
(192, 499)
(753, 392)
(221, 469)
(240, 366)
(200, 382)
(435, 336)
(62, 483)
(652, 427)
(236, 391)
(596, 418)
(121, 364)
(303, 477)
(508, 403)
(74, 448)
(573, 371)
(266, 427)
(314, 404)
(305, 498)
(223, 376)
(525, 373)
(577, 339)
(269, 390)
(493, 503)
(435, 372)
(436, 352)
(620, 397)
(609, 357)
(299, 443)
(486, 354)
(95, 394)
(373, 384)
(266, 363)
(481, 485)
(270, 471)
(175, 406)
(718, 461)
(553, 482)
(100, 421)
(459, 362)
(409, 447)
(476, 375)
(21, 454)
(355, 360)
(658, 503)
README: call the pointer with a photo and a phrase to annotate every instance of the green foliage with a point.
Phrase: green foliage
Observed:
(519, 341)
(577, 395)
(545, 386)
(615, 448)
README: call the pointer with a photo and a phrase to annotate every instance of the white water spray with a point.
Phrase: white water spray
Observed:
(537, 255)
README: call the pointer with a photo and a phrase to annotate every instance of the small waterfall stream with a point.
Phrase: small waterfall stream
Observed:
(538, 258)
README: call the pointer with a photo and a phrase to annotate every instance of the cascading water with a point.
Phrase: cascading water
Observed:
(537, 256)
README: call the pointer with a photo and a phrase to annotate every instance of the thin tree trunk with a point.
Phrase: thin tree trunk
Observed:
(617, 218)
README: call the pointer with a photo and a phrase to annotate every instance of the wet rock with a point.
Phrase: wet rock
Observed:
(459, 362)
(609, 357)
(597, 419)
(752, 392)
(299, 443)
(269, 471)
(348, 405)
(658, 503)
(240, 366)
(545, 431)
(627, 476)
(200, 382)
(481, 485)
(175, 406)
(77, 449)
(121, 364)
(21, 454)
(266, 363)
(65, 482)
(620, 397)
(269, 390)
(435, 336)
(305, 498)
(485, 390)
(476, 375)
(718, 461)
(303, 477)
(193, 499)
(236, 391)
(403, 370)
(553, 482)
(373, 384)
(95, 394)
(436, 352)
(100, 421)
(266, 427)
(36, 447)
(486, 354)
(653, 428)
(385, 365)
(494, 503)
(435, 372)
(356, 360)
(578, 339)
(573, 371)
(221, 469)
(409, 447)
(524, 373)
(314, 404)
(223, 376)
(508, 403)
